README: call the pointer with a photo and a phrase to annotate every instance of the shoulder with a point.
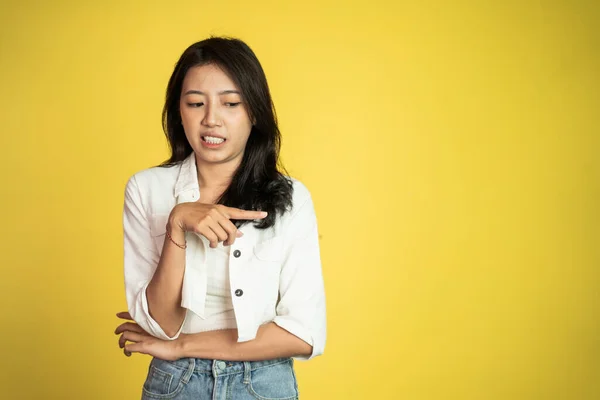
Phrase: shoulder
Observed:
(300, 192)
(301, 197)
(153, 178)
(301, 218)
(153, 188)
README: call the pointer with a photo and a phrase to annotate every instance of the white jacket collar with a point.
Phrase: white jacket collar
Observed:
(187, 180)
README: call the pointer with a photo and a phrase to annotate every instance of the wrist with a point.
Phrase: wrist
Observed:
(174, 223)
(180, 346)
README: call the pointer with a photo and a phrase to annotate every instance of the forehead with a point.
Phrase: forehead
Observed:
(207, 77)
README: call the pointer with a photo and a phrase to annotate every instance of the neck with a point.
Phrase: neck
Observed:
(216, 176)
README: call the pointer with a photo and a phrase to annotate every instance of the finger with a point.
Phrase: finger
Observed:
(129, 337)
(220, 233)
(218, 230)
(127, 353)
(124, 315)
(208, 233)
(135, 348)
(122, 341)
(129, 326)
(236, 213)
(232, 231)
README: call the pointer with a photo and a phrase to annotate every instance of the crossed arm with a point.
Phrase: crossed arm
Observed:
(271, 342)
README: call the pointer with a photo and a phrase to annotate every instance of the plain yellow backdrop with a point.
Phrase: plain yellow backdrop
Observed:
(451, 148)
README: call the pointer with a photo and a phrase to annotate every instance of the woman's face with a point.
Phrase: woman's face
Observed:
(215, 121)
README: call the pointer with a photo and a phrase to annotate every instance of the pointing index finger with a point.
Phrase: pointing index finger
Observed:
(236, 213)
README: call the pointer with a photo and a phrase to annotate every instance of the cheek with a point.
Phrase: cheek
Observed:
(243, 126)
(186, 116)
(188, 123)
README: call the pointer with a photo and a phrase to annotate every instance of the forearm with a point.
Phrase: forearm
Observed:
(271, 342)
(164, 290)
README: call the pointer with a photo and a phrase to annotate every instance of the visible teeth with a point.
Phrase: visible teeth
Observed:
(213, 140)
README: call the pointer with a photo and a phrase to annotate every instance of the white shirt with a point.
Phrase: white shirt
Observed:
(276, 275)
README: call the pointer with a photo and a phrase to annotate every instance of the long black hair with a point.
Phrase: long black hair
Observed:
(259, 183)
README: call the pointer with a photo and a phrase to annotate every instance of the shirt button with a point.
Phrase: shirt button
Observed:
(237, 253)
(239, 292)
(221, 365)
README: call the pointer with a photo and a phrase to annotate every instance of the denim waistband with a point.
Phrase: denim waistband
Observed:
(221, 367)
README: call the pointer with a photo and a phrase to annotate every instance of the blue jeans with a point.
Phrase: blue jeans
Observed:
(199, 379)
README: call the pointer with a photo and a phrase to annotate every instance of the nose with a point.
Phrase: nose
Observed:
(211, 117)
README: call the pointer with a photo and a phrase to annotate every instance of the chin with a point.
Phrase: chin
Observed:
(210, 158)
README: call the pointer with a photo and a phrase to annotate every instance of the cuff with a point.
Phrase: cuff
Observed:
(296, 329)
(149, 324)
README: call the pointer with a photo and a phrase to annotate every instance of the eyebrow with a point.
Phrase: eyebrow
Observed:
(220, 93)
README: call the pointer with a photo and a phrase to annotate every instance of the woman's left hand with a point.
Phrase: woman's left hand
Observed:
(142, 342)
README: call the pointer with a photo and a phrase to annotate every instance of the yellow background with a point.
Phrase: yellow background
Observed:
(451, 148)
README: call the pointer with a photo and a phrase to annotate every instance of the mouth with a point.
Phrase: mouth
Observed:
(213, 139)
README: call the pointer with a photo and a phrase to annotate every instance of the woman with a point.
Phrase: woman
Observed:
(222, 267)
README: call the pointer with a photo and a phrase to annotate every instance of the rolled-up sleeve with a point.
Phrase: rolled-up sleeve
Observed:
(301, 308)
(140, 260)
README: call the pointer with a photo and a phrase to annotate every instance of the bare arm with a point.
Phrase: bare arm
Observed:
(164, 290)
(144, 264)
(271, 342)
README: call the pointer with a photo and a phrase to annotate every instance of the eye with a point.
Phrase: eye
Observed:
(195, 105)
(233, 104)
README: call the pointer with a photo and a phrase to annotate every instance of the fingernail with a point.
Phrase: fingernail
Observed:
(239, 234)
(263, 214)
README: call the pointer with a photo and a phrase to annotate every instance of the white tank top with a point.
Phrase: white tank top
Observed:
(219, 308)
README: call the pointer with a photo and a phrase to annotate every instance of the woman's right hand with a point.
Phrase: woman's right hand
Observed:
(211, 221)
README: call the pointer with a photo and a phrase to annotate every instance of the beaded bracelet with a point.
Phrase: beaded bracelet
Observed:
(174, 242)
